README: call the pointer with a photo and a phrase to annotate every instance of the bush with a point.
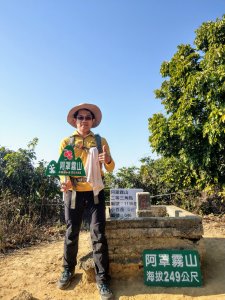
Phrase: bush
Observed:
(21, 225)
(28, 198)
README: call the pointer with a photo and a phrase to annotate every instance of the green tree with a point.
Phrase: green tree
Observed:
(23, 179)
(160, 176)
(28, 198)
(165, 175)
(168, 180)
(18, 171)
(193, 95)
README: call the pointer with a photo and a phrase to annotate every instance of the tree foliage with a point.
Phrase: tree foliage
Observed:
(163, 178)
(21, 178)
(28, 198)
(193, 95)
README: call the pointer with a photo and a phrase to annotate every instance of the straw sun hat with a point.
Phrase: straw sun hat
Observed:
(93, 108)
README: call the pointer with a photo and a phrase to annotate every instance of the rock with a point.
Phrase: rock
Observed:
(24, 295)
(87, 264)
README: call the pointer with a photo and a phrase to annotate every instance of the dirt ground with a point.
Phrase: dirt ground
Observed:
(32, 273)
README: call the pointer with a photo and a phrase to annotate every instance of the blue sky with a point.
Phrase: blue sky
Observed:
(55, 54)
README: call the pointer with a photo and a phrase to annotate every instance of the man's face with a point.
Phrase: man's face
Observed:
(83, 121)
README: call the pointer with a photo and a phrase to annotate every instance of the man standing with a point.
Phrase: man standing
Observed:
(80, 194)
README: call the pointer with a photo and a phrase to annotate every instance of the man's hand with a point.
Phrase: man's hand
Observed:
(104, 157)
(65, 186)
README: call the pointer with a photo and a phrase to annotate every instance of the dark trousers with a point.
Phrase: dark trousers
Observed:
(96, 218)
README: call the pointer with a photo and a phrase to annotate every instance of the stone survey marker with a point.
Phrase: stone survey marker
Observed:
(172, 268)
(67, 164)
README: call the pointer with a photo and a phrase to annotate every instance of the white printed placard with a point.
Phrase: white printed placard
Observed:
(123, 203)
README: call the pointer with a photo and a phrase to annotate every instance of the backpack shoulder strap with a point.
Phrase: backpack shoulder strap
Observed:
(98, 142)
(72, 140)
(73, 179)
(97, 138)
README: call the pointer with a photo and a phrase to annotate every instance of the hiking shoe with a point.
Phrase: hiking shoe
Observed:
(65, 279)
(105, 291)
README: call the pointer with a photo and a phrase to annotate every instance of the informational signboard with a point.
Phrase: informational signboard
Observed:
(123, 203)
(67, 164)
(178, 268)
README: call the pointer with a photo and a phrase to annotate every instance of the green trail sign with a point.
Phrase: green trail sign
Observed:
(180, 268)
(67, 164)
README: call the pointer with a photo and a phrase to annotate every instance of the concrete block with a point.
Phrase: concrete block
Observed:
(143, 201)
(133, 254)
(156, 227)
(145, 233)
(160, 212)
(156, 222)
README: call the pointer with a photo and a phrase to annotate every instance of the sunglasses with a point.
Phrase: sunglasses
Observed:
(82, 118)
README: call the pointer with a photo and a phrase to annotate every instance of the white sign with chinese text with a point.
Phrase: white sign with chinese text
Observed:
(123, 203)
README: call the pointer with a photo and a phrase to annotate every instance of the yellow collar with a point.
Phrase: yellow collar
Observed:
(76, 133)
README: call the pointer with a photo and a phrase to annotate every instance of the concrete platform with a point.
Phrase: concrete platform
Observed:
(160, 227)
